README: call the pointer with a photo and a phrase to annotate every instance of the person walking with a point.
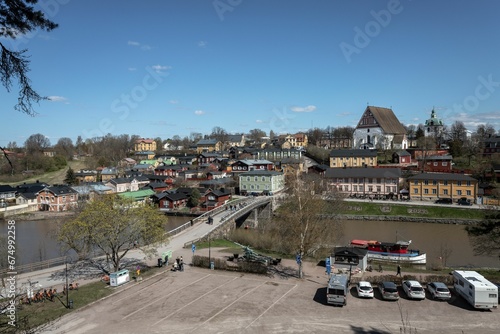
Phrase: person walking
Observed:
(181, 264)
(398, 273)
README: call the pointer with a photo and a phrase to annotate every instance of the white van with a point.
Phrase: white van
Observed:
(337, 289)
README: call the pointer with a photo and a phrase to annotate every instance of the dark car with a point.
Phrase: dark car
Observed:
(464, 201)
(444, 201)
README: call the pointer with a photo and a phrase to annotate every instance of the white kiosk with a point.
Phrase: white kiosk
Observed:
(119, 277)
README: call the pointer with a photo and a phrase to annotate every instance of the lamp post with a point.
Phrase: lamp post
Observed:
(209, 255)
(67, 287)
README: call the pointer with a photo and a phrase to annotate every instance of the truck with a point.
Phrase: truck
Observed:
(337, 289)
(475, 289)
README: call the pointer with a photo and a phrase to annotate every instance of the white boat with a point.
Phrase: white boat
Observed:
(391, 251)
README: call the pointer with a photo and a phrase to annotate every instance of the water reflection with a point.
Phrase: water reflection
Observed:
(444, 244)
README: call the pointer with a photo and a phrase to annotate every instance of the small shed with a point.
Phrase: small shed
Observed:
(118, 278)
(350, 257)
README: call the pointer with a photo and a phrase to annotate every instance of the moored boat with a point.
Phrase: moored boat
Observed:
(391, 251)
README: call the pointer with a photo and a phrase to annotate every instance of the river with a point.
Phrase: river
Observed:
(34, 240)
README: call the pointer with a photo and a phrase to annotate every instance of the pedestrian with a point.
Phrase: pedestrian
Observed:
(177, 260)
(166, 260)
(181, 264)
(399, 271)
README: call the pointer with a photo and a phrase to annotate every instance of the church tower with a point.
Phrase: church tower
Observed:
(434, 126)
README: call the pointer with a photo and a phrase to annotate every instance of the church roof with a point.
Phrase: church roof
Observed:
(386, 119)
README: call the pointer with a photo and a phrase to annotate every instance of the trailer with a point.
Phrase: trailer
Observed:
(475, 289)
(337, 289)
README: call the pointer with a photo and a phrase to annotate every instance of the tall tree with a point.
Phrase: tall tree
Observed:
(18, 18)
(70, 177)
(486, 234)
(255, 136)
(36, 143)
(113, 225)
(305, 218)
(194, 198)
(65, 147)
(219, 134)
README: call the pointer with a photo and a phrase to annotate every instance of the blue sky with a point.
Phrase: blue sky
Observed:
(161, 68)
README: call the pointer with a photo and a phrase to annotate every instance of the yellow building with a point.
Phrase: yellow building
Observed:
(431, 186)
(144, 145)
(353, 158)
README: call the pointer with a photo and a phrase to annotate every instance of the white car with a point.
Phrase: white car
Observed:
(438, 290)
(365, 289)
(413, 289)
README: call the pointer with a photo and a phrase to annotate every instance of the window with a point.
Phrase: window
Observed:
(445, 191)
(468, 184)
(445, 163)
(426, 191)
(355, 188)
(370, 189)
(379, 188)
(434, 191)
(370, 181)
(426, 182)
(415, 183)
(244, 186)
(379, 180)
(263, 179)
(252, 187)
(445, 183)
(248, 178)
(415, 191)
(255, 178)
(434, 182)
(459, 183)
(468, 192)
(459, 192)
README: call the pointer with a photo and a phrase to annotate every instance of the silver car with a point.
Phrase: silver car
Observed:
(439, 290)
(413, 289)
(388, 290)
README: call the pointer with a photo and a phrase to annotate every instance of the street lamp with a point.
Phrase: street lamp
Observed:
(67, 287)
(209, 255)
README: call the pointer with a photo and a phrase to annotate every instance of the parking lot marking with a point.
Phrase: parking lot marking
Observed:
(160, 298)
(271, 306)
(225, 308)
(133, 293)
(193, 301)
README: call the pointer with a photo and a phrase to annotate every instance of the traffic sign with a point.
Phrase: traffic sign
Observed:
(193, 247)
(298, 259)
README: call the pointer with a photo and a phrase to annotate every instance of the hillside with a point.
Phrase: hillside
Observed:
(56, 177)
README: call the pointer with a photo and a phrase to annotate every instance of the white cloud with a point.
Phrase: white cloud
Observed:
(144, 47)
(132, 69)
(309, 108)
(55, 98)
(199, 112)
(259, 121)
(173, 101)
(160, 68)
(202, 44)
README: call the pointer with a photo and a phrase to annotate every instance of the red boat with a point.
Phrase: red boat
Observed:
(391, 251)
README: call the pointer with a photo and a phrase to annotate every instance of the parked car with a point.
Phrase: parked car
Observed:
(439, 290)
(463, 201)
(444, 201)
(388, 290)
(365, 289)
(413, 289)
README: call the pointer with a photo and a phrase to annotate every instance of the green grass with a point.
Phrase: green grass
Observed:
(408, 210)
(38, 314)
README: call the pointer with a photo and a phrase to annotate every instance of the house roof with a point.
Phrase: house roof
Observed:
(251, 162)
(234, 138)
(402, 153)
(59, 190)
(363, 172)
(261, 173)
(207, 142)
(120, 180)
(437, 157)
(353, 153)
(7, 189)
(137, 195)
(175, 196)
(387, 120)
(442, 177)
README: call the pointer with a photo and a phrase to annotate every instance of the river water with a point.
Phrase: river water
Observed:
(34, 240)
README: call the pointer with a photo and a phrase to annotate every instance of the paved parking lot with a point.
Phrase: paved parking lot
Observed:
(206, 301)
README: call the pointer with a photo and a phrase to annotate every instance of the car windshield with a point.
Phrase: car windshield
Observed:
(416, 288)
(442, 289)
(365, 288)
(390, 290)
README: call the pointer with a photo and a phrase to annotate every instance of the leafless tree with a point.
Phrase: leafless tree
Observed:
(36, 143)
(306, 219)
